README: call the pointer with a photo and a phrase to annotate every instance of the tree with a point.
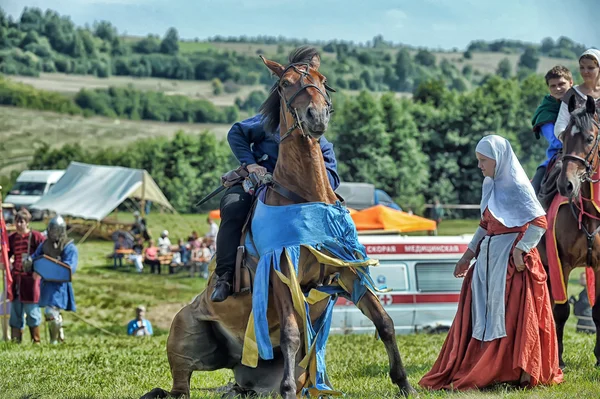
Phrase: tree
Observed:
(403, 68)
(217, 86)
(547, 45)
(529, 59)
(147, 45)
(432, 90)
(170, 43)
(504, 68)
(425, 58)
(467, 55)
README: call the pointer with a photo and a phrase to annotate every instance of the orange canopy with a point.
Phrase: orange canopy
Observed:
(380, 217)
(215, 214)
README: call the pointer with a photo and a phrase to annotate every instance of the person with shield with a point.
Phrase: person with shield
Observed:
(57, 296)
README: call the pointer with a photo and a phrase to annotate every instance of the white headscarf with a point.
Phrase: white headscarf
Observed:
(593, 52)
(509, 196)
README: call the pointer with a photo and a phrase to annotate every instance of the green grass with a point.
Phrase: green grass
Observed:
(93, 364)
(22, 130)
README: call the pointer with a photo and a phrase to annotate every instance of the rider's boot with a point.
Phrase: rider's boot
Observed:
(222, 288)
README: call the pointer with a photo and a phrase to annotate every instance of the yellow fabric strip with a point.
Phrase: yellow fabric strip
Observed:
(250, 349)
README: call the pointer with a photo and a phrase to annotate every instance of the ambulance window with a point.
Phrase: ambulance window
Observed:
(437, 277)
(392, 274)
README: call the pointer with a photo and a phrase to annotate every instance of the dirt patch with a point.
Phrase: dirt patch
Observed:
(162, 315)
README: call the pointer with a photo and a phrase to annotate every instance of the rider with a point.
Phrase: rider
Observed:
(558, 80)
(57, 296)
(589, 67)
(258, 149)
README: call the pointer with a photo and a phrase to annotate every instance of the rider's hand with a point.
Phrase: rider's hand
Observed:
(518, 259)
(255, 168)
(463, 264)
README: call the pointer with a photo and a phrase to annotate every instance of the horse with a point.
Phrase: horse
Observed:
(578, 243)
(206, 336)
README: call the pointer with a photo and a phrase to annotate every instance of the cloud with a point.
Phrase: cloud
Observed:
(395, 17)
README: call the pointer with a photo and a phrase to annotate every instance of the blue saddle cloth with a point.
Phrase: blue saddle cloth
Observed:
(280, 231)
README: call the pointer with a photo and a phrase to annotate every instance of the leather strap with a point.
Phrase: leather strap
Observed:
(292, 196)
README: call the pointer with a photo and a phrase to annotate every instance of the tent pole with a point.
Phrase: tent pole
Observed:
(87, 234)
(143, 203)
(4, 309)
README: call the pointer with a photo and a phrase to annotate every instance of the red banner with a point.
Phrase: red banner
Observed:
(4, 254)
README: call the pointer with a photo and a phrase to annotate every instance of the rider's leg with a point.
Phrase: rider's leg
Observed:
(537, 178)
(235, 206)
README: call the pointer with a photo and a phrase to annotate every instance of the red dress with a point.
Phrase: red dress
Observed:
(530, 345)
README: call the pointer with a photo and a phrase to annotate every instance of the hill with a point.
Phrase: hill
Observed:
(22, 131)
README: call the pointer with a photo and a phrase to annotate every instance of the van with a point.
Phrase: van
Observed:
(419, 273)
(32, 185)
(360, 196)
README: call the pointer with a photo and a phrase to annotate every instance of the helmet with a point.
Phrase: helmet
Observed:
(57, 228)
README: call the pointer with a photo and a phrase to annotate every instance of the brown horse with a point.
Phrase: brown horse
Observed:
(578, 247)
(207, 336)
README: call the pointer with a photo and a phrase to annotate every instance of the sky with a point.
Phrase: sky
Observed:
(436, 24)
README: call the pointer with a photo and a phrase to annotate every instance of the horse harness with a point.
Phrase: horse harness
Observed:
(588, 163)
(288, 103)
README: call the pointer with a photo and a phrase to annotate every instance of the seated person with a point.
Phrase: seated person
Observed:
(136, 257)
(119, 244)
(139, 327)
(151, 257)
(164, 243)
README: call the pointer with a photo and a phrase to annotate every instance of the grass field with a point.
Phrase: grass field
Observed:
(71, 84)
(94, 364)
(21, 130)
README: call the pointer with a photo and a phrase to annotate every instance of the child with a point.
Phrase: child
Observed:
(559, 80)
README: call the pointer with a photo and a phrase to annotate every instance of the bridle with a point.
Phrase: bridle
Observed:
(590, 167)
(587, 162)
(303, 86)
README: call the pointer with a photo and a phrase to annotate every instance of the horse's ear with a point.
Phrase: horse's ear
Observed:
(590, 105)
(275, 67)
(572, 103)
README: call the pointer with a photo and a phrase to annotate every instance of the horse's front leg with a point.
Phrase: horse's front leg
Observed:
(290, 335)
(371, 307)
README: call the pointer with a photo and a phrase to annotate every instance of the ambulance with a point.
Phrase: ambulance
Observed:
(419, 273)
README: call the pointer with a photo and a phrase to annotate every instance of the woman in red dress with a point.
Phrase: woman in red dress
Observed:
(502, 333)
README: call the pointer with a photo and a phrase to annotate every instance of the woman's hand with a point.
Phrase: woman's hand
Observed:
(463, 264)
(518, 259)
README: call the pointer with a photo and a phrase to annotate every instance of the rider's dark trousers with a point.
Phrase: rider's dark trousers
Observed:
(536, 182)
(235, 205)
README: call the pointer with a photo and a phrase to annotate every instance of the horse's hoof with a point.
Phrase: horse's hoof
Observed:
(156, 393)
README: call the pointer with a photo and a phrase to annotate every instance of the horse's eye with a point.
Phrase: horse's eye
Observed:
(285, 83)
(590, 139)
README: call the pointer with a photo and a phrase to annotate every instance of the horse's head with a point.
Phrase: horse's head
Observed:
(301, 93)
(581, 147)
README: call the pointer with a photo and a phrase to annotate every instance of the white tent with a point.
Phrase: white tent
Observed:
(92, 192)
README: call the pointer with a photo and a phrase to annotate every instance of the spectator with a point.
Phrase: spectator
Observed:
(119, 244)
(136, 257)
(151, 257)
(213, 229)
(26, 289)
(437, 214)
(164, 243)
(139, 226)
(139, 327)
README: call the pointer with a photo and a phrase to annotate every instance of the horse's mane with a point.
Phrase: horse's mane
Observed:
(270, 108)
(582, 120)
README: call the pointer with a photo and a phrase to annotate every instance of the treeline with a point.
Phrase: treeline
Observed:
(44, 41)
(563, 47)
(122, 102)
(413, 149)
